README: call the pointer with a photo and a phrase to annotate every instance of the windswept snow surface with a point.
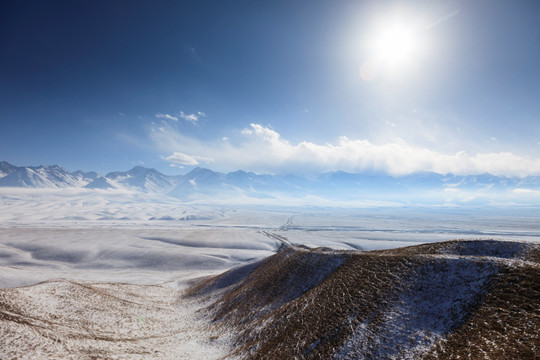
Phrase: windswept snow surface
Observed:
(118, 235)
(139, 256)
(122, 236)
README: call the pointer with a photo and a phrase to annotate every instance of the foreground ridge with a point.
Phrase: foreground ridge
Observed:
(456, 299)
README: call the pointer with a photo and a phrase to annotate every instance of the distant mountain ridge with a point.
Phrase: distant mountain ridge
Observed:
(53, 176)
(139, 178)
(201, 181)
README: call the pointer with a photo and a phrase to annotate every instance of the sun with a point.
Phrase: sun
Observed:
(394, 46)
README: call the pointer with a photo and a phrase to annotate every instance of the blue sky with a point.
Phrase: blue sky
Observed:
(272, 86)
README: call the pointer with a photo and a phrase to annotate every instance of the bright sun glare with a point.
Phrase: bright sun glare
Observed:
(393, 47)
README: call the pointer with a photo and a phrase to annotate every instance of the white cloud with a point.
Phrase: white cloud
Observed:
(166, 116)
(189, 117)
(193, 118)
(261, 149)
(183, 159)
(526, 191)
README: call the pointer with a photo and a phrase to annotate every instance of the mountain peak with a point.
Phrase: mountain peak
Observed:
(6, 168)
(140, 169)
(200, 171)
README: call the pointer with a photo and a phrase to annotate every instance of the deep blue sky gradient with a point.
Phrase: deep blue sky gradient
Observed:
(81, 82)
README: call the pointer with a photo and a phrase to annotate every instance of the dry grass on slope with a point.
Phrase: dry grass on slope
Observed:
(505, 326)
(429, 301)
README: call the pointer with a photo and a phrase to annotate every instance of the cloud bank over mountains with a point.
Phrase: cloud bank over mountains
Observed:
(262, 149)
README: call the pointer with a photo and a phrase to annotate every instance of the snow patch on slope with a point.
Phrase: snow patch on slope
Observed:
(435, 302)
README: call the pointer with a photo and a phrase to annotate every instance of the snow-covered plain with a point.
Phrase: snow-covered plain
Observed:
(108, 267)
(111, 235)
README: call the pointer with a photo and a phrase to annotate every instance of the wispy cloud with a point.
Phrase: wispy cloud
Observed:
(167, 116)
(192, 118)
(188, 160)
(189, 117)
(261, 149)
(182, 159)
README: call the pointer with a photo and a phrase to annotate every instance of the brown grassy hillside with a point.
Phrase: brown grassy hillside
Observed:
(458, 299)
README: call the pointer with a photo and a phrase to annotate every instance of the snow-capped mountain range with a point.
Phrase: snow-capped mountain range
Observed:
(42, 176)
(333, 185)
